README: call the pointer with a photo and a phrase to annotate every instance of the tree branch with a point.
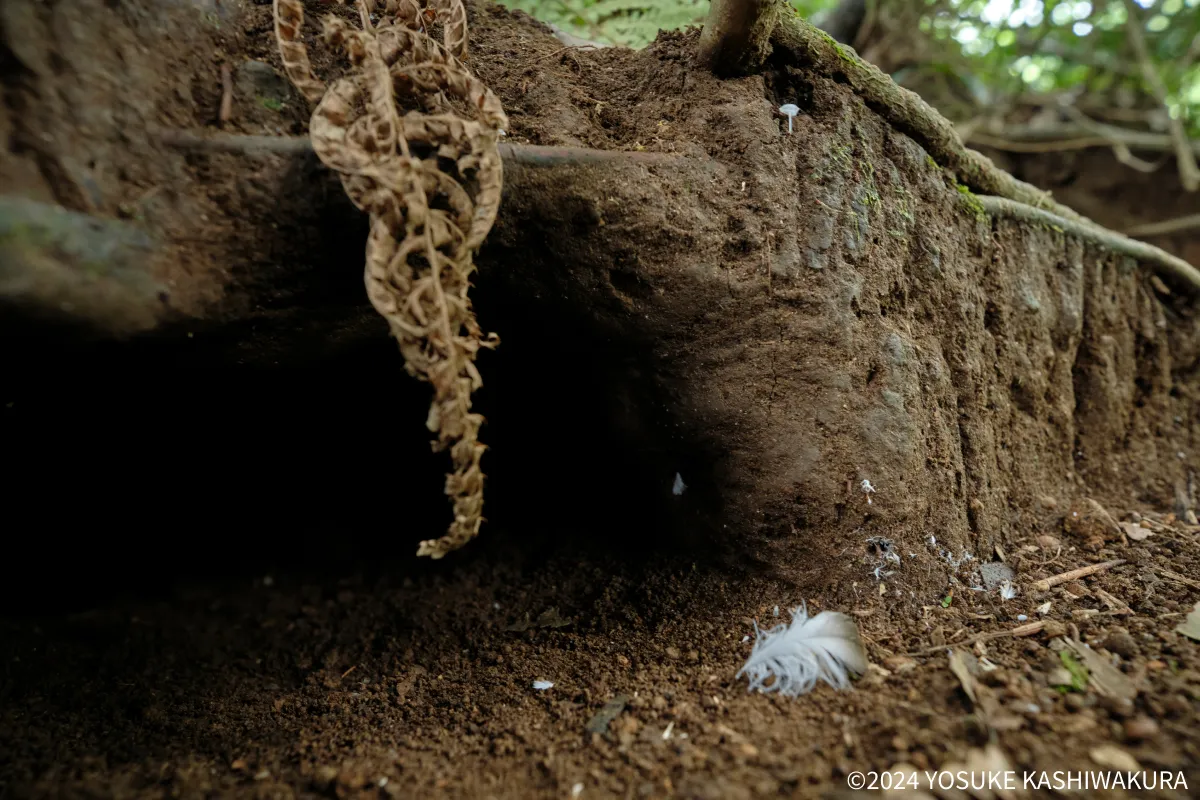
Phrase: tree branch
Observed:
(1188, 172)
(1165, 227)
(1074, 136)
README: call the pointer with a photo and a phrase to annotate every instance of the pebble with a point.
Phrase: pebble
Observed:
(1054, 628)
(672, 652)
(1177, 705)
(899, 663)
(324, 776)
(1140, 728)
(1120, 642)
(1119, 707)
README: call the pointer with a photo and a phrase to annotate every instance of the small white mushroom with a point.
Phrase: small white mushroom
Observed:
(789, 110)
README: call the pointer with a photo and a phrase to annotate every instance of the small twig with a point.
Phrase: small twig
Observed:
(1048, 146)
(1082, 572)
(1175, 576)
(226, 112)
(1189, 174)
(1165, 227)
(1126, 157)
(559, 51)
(1115, 604)
(1021, 630)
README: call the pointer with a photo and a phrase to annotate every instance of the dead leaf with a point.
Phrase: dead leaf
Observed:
(550, 618)
(963, 665)
(1190, 627)
(985, 699)
(1136, 532)
(1113, 757)
(607, 713)
(1106, 679)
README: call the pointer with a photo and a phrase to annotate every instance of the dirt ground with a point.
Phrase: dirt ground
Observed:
(413, 682)
(253, 624)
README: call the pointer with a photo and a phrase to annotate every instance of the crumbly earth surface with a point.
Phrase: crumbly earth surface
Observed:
(376, 684)
(776, 318)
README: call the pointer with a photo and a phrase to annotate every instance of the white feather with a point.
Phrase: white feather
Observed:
(824, 647)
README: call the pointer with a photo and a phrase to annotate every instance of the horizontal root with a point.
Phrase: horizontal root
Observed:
(528, 154)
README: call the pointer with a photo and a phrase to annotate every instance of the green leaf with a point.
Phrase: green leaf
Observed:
(1079, 673)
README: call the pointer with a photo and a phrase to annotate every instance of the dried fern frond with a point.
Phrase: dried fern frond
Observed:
(414, 137)
(825, 647)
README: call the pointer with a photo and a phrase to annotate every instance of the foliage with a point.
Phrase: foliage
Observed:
(633, 23)
(973, 57)
(1008, 49)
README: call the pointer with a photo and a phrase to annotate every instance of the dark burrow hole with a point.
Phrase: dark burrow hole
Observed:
(138, 467)
(789, 85)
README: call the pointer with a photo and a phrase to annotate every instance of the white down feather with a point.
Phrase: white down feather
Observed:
(823, 647)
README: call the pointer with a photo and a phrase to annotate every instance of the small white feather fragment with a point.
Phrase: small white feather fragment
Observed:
(542, 686)
(680, 487)
(824, 647)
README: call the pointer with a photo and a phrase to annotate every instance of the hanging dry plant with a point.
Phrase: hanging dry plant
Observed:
(414, 136)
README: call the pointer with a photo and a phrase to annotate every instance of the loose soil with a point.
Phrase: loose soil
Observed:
(253, 626)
